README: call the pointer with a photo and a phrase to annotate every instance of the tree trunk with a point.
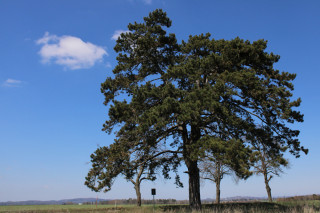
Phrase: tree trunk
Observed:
(266, 181)
(194, 185)
(218, 190)
(138, 193)
(192, 165)
(218, 178)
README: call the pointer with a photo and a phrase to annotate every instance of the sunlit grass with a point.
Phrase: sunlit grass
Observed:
(310, 206)
(315, 203)
(56, 208)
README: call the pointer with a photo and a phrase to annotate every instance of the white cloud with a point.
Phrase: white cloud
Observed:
(12, 83)
(69, 51)
(117, 34)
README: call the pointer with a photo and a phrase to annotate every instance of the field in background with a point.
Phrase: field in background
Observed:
(309, 206)
(62, 208)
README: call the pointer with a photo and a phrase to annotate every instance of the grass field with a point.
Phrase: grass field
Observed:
(62, 208)
(263, 207)
(315, 203)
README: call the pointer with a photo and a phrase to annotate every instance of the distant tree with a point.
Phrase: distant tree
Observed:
(269, 147)
(162, 90)
(268, 164)
(269, 160)
(118, 159)
(224, 158)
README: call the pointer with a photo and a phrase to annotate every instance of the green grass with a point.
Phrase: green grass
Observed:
(57, 208)
(248, 207)
(75, 208)
(315, 203)
(252, 207)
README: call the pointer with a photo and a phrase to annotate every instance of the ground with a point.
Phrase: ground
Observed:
(310, 206)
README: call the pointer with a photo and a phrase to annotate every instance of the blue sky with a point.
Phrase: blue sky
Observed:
(55, 54)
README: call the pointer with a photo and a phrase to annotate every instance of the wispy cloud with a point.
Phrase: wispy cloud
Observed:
(69, 51)
(12, 83)
(108, 65)
(117, 34)
(147, 1)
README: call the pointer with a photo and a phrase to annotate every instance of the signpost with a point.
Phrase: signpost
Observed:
(153, 193)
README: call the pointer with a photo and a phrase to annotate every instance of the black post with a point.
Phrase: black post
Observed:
(153, 192)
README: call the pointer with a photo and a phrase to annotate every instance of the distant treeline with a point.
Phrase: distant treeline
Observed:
(296, 198)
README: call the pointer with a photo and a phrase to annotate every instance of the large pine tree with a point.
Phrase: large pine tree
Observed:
(176, 95)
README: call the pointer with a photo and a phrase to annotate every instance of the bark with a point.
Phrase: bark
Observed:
(266, 181)
(218, 181)
(137, 185)
(138, 193)
(192, 165)
(218, 191)
(194, 185)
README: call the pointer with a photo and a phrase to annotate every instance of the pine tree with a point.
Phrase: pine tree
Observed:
(163, 90)
(120, 158)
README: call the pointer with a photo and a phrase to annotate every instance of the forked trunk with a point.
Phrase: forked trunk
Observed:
(266, 181)
(194, 185)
